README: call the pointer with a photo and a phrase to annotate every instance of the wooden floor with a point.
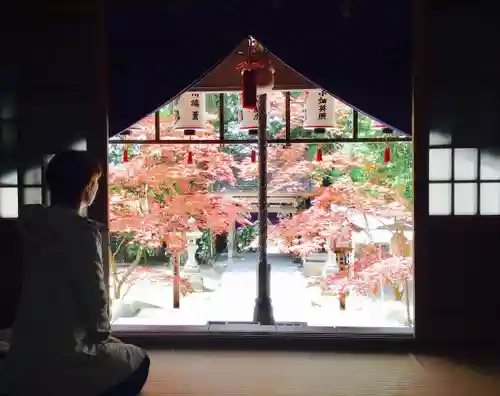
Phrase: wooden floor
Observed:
(208, 373)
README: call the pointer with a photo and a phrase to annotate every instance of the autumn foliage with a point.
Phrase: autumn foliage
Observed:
(158, 191)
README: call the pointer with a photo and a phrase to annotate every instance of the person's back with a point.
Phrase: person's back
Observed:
(61, 341)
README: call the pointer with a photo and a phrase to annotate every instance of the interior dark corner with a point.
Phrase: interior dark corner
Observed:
(366, 137)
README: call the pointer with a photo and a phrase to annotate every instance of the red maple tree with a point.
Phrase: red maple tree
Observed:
(158, 191)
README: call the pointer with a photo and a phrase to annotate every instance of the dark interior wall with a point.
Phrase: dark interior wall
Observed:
(458, 93)
(58, 67)
(55, 66)
(59, 93)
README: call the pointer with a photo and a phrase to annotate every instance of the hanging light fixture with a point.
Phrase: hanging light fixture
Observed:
(189, 110)
(386, 132)
(319, 154)
(387, 151)
(249, 121)
(253, 156)
(320, 111)
(387, 154)
(257, 74)
(189, 156)
(249, 89)
(125, 154)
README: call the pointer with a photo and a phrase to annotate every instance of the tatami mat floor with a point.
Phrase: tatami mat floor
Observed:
(207, 373)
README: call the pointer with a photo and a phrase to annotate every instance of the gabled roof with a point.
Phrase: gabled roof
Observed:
(226, 77)
(156, 52)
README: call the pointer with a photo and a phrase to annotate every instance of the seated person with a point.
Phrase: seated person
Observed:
(61, 343)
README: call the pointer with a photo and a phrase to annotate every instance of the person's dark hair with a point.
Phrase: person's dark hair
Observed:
(69, 174)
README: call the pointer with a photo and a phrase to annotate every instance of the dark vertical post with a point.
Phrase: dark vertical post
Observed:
(97, 137)
(355, 124)
(287, 117)
(221, 116)
(157, 125)
(263, 312)
(423, 271)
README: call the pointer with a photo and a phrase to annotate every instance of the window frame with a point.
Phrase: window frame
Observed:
(117, 140)
(478, 181)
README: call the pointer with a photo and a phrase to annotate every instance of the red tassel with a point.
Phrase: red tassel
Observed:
(319, 155)
(249, 89)
(125, 154)
(190, 158)
(253, 157)
(387, 155)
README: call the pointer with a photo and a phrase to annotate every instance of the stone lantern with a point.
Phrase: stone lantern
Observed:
(340, 251)
(331, 266)
(191, 267)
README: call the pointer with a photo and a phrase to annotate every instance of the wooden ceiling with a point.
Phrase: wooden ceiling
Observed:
(226, 78)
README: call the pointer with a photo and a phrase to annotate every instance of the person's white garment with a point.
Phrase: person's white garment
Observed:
(58, 345)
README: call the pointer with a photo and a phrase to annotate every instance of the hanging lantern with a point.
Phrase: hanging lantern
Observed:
(249, 89)
(320, 111)
(257, 74)
(387, 151)
(125, 154)
(387, 155)
(319, 154)
(253, 157)
(190, 111)
(190, 158)
(133, 131)
(249, 119)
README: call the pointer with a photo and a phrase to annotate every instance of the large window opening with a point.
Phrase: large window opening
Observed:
(185, 216)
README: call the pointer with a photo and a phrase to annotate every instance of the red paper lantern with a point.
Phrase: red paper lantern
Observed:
(257, 74)
(387, 155)
(387, 152)
(249, 89)
(319, 155)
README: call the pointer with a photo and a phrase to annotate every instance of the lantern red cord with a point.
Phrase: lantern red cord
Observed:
(319, 155)
(387, 155)
(245, 65)
(253, 156)
(125, 154)
(190, 158)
